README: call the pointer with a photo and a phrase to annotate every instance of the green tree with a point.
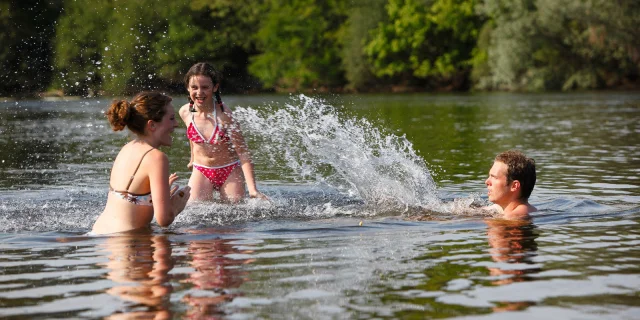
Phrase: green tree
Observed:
(105, 45)
(129, 54)
(299, 44)
(363, 16)
(26, 32)
(425, 39)
(219, 32)
(549, 45)
(114, 47)
(81, 38)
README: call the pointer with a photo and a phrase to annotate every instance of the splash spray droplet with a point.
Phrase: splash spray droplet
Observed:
(318, 144)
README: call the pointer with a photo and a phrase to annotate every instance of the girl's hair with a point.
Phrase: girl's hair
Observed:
(134, 114)
(203, 69)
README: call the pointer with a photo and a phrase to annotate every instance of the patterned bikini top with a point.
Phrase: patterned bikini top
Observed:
(218, 134)
(137, 199)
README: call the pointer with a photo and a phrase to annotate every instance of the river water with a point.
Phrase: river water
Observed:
(373, 213)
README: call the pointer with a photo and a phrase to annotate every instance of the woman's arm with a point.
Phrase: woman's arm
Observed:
(167, 203)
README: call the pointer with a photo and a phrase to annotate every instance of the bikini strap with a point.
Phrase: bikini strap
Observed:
(138, 167)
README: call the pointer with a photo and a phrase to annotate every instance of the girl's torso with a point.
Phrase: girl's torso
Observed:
(209, 133)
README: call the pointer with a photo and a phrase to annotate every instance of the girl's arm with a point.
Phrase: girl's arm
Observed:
(190, 164)
(184, 115)
(167, 202)
(240, 146)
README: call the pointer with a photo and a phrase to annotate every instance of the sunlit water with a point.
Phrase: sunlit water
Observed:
(373, 213)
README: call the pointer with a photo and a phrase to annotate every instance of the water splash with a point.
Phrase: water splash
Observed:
(317, 144)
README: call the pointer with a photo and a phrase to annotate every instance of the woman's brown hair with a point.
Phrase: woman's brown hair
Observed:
(134, 114)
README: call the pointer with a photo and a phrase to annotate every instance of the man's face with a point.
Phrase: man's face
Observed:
(499, 190)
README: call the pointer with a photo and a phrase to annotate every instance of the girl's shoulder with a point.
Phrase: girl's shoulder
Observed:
(225, 108)
(184, 111)
(227, 113)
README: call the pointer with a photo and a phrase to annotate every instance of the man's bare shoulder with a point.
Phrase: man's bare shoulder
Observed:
(522, 211)
(494, 208)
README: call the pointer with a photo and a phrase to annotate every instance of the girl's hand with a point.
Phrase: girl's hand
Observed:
(190, 165)
(258, 195)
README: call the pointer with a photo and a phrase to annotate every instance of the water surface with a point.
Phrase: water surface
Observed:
(372, 215)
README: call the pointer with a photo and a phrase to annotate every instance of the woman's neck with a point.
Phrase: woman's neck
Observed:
(147, 140)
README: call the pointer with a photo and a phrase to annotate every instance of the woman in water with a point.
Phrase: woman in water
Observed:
(219, 155)
(140, 185)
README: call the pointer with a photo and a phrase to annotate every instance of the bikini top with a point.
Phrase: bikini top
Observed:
(137, 199)
(218, 134)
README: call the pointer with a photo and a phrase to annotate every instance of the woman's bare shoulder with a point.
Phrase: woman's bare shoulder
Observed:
(156, 155)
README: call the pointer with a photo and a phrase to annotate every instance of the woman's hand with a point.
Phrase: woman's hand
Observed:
(179, 198)
(172, 178)
(182, 193)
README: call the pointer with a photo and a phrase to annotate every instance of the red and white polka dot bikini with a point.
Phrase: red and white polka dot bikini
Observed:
(216, 175)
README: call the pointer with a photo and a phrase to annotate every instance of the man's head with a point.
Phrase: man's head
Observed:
(520, 172)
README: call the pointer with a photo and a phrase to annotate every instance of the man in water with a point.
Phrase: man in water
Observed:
(511, 180)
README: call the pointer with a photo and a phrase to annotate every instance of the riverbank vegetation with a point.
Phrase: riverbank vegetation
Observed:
(91, 47)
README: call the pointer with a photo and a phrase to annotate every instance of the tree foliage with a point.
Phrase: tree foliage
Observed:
(89, 47)
(551, 45)
(81, 35)
(215, 31)
(26, 30)
(363, 16)
(298, 41)
(424, 38)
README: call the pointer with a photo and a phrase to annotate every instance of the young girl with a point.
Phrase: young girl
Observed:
(219, 155)
(140, 184)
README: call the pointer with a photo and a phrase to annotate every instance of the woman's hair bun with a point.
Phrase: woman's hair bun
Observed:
(119, 114)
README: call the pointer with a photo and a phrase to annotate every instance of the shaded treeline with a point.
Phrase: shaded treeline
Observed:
(85, 47)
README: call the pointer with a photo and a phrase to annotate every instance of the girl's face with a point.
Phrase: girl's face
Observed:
(201, 89)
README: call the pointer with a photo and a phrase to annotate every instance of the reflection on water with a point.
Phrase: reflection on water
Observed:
(214, 273)
(139, 264)
(513, 247)
(320, 270)
(306, 255)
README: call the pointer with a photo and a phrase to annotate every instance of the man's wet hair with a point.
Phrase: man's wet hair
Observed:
(521, 168)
